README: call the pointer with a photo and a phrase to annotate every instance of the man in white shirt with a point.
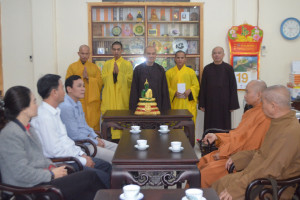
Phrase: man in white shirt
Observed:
(72, 116)
(53, 134)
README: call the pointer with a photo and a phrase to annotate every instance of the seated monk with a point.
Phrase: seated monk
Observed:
(247, 136)
(278, 157)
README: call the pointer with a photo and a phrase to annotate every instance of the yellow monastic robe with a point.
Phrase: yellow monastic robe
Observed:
(188, 76)
(91, 101)
(248, 135)
(115, 96)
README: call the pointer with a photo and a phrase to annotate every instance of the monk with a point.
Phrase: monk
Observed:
(117, 78)
(218, 92)
(155, 75)
(247, 136)
(278, 157)
(182, 74)
(91, 76)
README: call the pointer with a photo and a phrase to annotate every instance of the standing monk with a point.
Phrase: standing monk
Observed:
(91, 76)
(155, 74)
(218, 93)
(278, 157)
(117, 78)
(182, 74)
(247, 136)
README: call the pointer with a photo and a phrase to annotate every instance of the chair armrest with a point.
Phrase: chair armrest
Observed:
(81, 143)
(282, 185)
(214, 130)
(65, 159)
(98, 133)
(32, 190)
(231, 168)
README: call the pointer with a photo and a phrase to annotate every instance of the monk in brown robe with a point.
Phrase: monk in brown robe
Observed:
(247, 136)
(278, 157)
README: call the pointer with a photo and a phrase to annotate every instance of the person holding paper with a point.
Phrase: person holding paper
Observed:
(183, 85)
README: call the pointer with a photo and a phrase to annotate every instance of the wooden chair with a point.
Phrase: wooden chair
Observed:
(82, 145)
(43, 190)
(263, 191)
(207, 148)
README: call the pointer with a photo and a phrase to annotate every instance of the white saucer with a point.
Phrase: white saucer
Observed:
(140, 196)
(185, 198)
(163, 131)
(135, 132)
(141, 148)
(175, 151)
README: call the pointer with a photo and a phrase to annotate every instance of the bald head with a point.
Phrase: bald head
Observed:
(150, 55)
(149, 48)
(257, 85)
(279, 95)
(218, 48)
(84, 53)
(84, 46)
(218, 55)
(254, 91)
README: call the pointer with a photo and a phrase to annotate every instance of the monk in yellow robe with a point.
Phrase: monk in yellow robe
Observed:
(278, 157)
(117, 78)
(91, 75)
(247, 136)
(182, 74)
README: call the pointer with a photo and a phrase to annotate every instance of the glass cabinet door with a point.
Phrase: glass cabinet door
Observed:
(171, 29)
(124, 24)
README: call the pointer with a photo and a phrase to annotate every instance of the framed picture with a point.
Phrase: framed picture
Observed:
(100, 50)
(245, 68)
(185, 16)
(152, 32)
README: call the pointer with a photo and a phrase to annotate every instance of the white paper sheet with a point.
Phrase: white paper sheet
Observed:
(181, 87)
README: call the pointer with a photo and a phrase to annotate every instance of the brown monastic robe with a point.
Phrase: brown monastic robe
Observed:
(247, 136)
(278, 157)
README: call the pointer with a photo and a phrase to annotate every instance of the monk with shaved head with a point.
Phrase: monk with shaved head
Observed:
(91, 75)
(247, 136)
(156, 77)
(278, 157)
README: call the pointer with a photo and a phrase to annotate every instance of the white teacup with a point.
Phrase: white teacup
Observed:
(131, 191)
(194, 194)
(141, 143)
(135, 128)
(176, 145)
(163, 127)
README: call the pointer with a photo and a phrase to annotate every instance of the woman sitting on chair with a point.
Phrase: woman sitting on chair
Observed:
(22, 162)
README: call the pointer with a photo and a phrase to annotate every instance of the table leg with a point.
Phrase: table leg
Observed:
(104, 129)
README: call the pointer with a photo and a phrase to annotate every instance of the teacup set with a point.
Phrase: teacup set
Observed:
(176, 146)
(141, 144)
(163, 129)
(193, 194)
(135, 129)
(131, 192)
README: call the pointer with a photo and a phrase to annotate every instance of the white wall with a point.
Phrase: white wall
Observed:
(52, 30)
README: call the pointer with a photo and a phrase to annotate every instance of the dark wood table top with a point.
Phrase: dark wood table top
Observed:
(125, 114)
(158, 152)
(155, 194)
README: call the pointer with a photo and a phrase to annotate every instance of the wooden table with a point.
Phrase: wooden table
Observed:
(123, 119)
(157, 165)
(154, 194)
